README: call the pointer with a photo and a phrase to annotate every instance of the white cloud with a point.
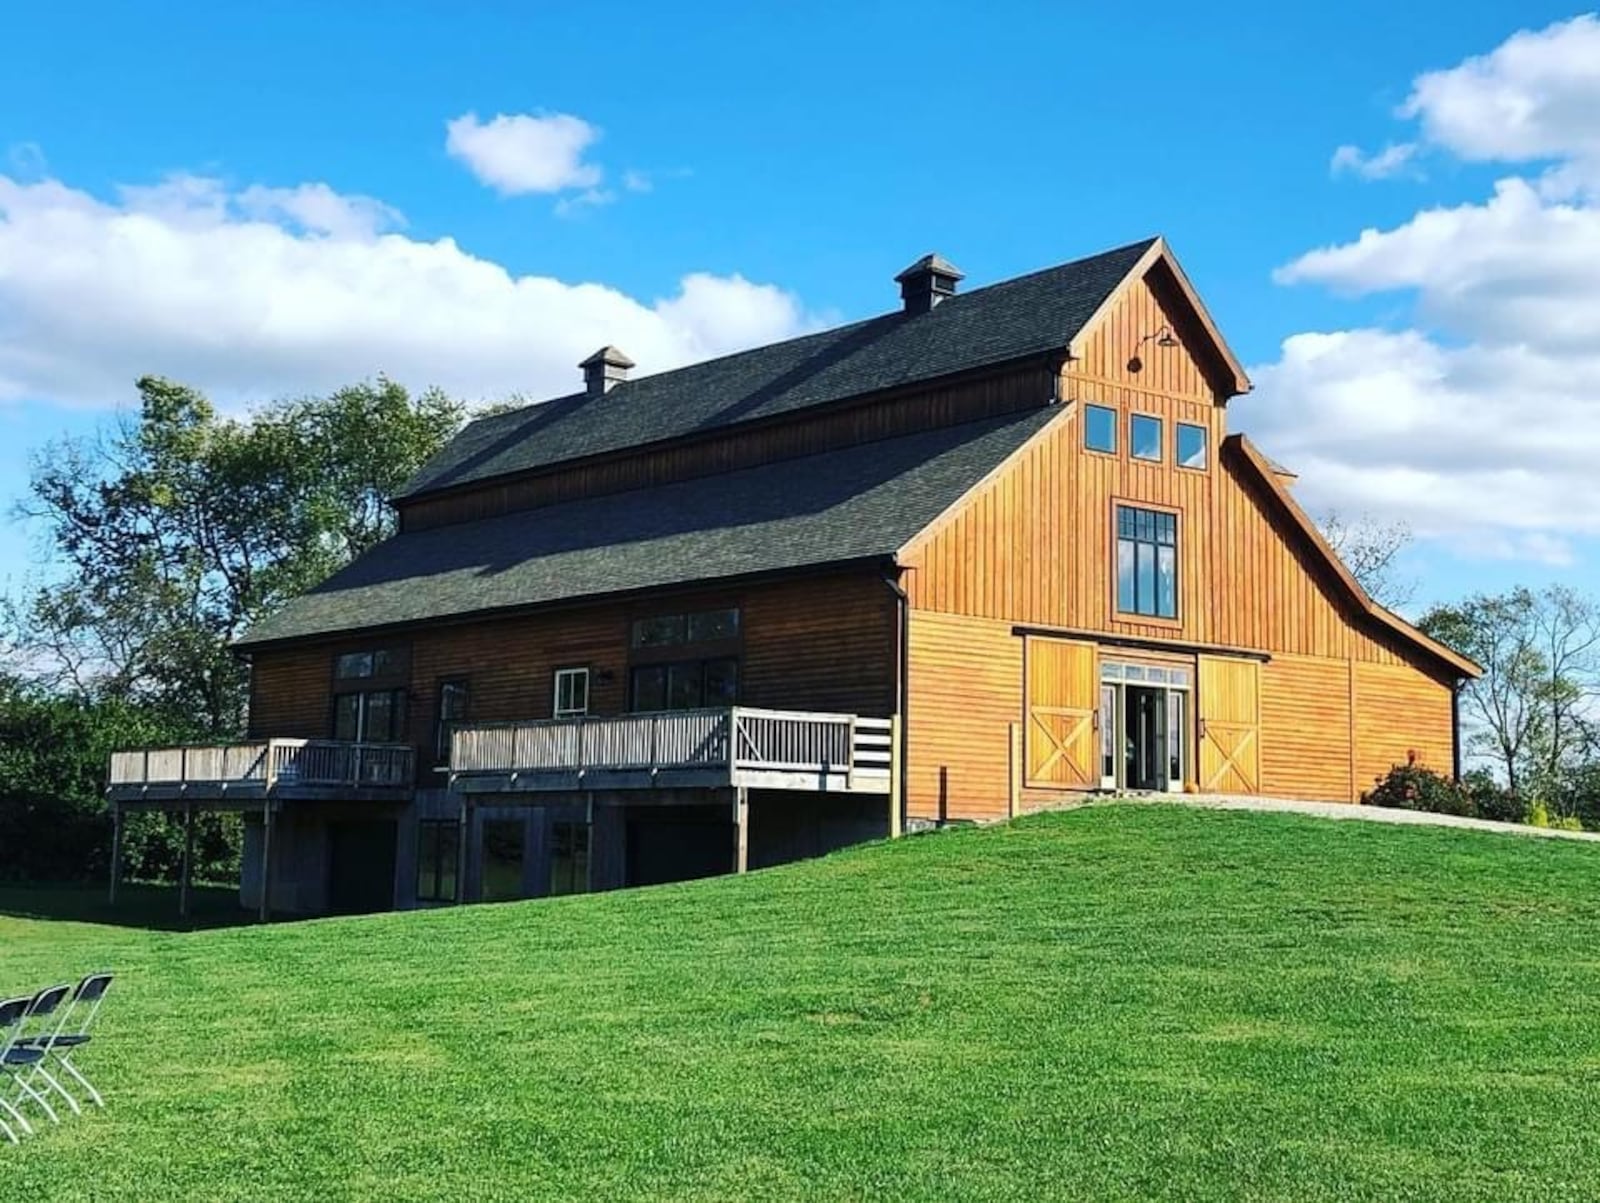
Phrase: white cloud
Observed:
(635, 180)
(264, 292)
(1479, 422)
(1392, 160)
(518, 153)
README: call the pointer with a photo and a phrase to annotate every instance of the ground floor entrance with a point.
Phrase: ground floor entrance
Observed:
(1145, 720)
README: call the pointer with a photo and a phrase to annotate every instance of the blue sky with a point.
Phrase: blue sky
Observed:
(255, 198)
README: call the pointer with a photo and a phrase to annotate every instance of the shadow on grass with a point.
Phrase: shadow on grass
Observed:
(151, 907)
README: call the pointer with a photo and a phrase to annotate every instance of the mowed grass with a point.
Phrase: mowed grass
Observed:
(1123, 1001)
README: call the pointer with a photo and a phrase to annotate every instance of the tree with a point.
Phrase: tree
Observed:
(175, 530)
(1370, 549)
(1540, 653)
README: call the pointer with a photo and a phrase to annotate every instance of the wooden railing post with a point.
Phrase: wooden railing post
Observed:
(896, 777)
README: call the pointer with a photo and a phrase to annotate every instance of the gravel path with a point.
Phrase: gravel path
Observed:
(1370, 814)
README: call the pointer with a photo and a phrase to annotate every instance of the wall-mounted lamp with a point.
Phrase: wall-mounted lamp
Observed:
(1163, 337)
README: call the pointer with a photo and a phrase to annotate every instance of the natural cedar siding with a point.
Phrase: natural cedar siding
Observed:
(1035, 547)
(883, 417)
(819, 643)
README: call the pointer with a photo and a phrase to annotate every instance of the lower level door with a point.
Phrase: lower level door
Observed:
(1146, 738)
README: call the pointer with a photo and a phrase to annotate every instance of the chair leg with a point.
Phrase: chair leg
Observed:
(51, 1082)
(82, 1081)
(22, 1120)
(43, 1102)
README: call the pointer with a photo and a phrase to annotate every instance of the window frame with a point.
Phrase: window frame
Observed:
(1111, 451)
(1177, 446)
(1175, 619)
(578, 833)
(399, 697)
(441, 729)
(1160, 457)
(436, 862)
(700, 667)
(571, 672)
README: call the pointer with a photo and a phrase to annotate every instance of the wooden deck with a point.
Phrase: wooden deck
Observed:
(686, 749)
(246, 773)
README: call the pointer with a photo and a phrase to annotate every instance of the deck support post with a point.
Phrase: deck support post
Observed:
(116, 853)
(593, 844)
(896, 779)
(268, 821)
(186, 875)
(463, 837)
(741, 829)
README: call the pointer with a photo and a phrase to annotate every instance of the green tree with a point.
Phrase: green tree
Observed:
(1530, 712)
(177, 528)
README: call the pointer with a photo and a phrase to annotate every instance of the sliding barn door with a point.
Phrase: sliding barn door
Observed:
(1062, 695)
(1230, 725)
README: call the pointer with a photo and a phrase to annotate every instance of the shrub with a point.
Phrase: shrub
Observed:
(1539, 814)
(1410, 786)
(1492, 800)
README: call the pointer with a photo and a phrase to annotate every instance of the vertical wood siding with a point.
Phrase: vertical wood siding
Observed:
(1035, 547)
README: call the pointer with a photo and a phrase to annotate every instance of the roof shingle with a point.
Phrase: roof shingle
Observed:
(1029, 315)
(862, 501)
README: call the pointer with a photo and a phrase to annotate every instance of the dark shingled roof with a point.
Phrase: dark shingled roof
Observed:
(862, 501)
(1026, 316)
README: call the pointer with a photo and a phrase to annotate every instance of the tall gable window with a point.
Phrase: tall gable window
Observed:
(369, 695)
(685, 661)
(1144, 437)
(1147, 562)
(1100, 429)
(1192, 446)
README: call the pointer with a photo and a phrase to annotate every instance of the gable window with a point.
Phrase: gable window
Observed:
(685, 685)
(572, 693)
(438, 849)
(1147, 562)
(1192, 446)
(452, 709)
(1144, 437)
(1100, 429)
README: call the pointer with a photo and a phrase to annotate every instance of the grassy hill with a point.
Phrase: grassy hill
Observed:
(1121, 1001)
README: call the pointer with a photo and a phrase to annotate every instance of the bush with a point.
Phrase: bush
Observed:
(1410, 786)
(1491, 800)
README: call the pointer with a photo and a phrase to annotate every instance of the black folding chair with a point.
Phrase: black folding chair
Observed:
(71, 1034)
(15, 1058)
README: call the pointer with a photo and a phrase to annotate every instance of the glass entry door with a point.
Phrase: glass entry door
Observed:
(1143, 726)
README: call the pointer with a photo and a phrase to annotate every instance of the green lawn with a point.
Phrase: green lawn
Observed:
(1122, 1001)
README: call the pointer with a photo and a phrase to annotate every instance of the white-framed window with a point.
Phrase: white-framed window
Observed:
(572, 693)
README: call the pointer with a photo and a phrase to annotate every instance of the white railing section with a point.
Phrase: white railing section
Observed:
(736, 740)
(266, 763)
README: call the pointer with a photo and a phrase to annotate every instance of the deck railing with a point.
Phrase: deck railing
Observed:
(736, 740)
(265, 764)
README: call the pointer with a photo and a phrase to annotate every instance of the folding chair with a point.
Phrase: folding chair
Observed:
(46, 1006)
(72, 1033)
(13, 1013)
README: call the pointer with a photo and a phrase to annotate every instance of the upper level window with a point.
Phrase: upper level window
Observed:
(452, 709)
(685, 685)
(1144, 437)
(370, 716)
(1147, 562)
(572, 693)
(1100, 429)
(358, 666)
(702, 626)
(1191, 446)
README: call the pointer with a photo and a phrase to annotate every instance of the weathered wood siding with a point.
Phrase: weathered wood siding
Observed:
(735, 447)
(821, 643)
(1341, 698)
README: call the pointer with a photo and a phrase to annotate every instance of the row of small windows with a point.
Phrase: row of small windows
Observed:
(1146, 437)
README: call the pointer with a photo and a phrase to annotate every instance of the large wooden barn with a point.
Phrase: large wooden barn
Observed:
(968, 558)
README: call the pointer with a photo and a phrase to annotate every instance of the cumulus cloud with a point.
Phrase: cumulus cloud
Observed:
(264, 291)
(519, 153)
(1392, 160)
(1478, 418)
